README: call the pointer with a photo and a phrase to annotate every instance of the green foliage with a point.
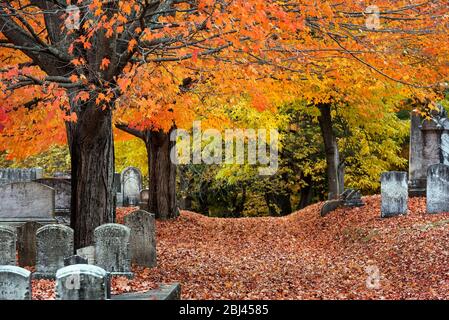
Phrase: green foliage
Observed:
(56, 159)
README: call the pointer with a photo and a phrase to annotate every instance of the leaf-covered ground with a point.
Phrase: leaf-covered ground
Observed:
(302, 256)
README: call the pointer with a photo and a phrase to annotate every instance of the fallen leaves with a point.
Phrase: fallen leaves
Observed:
(302, 256)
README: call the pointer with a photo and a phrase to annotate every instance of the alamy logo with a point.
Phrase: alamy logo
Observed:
(373, 17)
(207, 147)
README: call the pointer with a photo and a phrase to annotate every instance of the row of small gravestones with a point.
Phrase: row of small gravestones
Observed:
(394, 190)
(116, 247)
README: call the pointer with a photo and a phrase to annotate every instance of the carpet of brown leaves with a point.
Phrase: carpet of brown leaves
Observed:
(302, 256)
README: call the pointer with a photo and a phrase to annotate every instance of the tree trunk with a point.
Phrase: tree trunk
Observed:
(162, 175)
(306, 193)
(331, 151)
(92, 158)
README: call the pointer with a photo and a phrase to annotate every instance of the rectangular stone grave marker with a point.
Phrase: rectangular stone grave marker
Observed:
(26, 243)
(54, 243)
(394, 190)
(15, 283)
(143, 238)
(132, 184)
(63, 194)
(82, 282)
(26, 201)
(112, 249)
(438, 189)
(8, 239)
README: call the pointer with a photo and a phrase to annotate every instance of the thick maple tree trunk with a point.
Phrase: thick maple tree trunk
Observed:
(162, 175)
(331, 150)
(92, 158)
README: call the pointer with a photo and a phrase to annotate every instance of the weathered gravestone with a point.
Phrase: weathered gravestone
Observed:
(82, 282)
(54, 243)
(87, 253)
(143, 238)
(26, 243)
(144, 197)
(8, 239)
(112, 249)
(438, 189)
(63, 193)
(75, 259)
(394, 190)
(131, 186)
(15, 283)
(26, 201)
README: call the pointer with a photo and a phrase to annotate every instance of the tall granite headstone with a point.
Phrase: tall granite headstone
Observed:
(438, 189)
(82, 282)
(26, 243)
(15, 283)
(112, 249)
(143, 238)
(132, 184)
(8, 239)
(26, 201)
(54, 243)
(394, 190)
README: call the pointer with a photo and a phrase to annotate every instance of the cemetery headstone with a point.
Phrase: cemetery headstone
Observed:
(82, 282)
(144, 197)
(112, 249)
(87, 253)
(394, 190)
(63, 193)
(26, 201)
(26, 243)
(143, 238)
(131, 184)
(438, 189)
(8, 239)
(15, 283)
(75, 259)
(54, 243)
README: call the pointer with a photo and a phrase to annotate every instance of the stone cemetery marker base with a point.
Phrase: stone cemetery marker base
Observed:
(170, 291)
(15, 283)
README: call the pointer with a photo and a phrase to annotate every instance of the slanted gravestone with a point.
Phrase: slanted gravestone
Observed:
(144, 197)
(131, 184)
(54, 243)
(87, 253)
(82, 282)
(438, 189)
(8, 239)
(112, 249)
(75, 259)
(394, 190)
(15, 283)
(26, 201)
(26, 243)
(143, 238)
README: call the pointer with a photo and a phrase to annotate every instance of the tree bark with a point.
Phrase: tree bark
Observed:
(161, 171)
(331, 151)
(92, 158)
(162, 175)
